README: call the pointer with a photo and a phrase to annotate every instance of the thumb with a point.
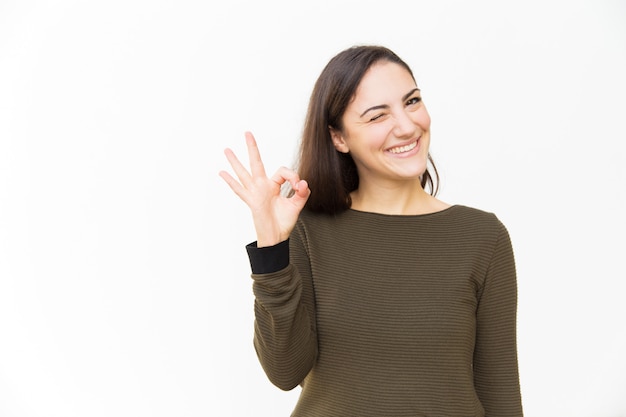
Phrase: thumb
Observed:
(301, 193)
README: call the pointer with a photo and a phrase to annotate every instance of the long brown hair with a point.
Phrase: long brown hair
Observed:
(332, 175)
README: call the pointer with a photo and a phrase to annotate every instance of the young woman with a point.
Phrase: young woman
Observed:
(374, 296)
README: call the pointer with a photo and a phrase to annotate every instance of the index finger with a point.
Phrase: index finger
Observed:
(256, 164)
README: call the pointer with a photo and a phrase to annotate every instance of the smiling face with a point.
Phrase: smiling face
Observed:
(386, 127)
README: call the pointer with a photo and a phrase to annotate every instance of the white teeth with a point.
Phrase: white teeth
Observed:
(405, 148)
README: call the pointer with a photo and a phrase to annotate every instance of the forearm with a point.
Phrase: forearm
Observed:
(496, 373)
(284, 337)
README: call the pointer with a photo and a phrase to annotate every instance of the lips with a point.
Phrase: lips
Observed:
(404, 148)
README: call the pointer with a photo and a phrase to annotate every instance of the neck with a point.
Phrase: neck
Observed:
(403, 199)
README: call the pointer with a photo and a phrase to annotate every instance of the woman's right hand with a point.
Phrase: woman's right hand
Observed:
(274, 215)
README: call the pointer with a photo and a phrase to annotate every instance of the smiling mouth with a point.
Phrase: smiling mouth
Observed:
(405, 148)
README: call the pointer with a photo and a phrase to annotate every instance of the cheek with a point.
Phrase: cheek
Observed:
(371, 137)
(422, 118)
(378, 132)
(426, 143)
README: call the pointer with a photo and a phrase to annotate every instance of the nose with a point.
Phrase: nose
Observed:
(405, 126)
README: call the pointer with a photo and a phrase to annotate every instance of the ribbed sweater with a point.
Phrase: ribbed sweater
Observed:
(391, 315)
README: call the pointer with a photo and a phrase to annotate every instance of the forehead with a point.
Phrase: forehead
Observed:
(384, 81)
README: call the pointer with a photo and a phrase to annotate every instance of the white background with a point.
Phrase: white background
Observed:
(124, 283)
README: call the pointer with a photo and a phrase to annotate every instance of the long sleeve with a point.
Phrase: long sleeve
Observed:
(385, 315)
(496, 373)
(284, 331)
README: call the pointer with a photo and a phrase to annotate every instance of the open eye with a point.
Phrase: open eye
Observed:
(413, 100)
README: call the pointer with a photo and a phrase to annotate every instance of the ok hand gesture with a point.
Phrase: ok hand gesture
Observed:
(274, 215)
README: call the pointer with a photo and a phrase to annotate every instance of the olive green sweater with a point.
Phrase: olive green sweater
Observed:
(389, 315)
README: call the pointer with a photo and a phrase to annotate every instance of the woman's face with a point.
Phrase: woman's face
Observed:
(386, 126)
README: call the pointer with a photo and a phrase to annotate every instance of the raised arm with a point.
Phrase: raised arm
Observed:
(273, 214)
(284, 336)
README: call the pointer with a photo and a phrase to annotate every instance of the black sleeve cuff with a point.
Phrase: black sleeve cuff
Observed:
(268, 259)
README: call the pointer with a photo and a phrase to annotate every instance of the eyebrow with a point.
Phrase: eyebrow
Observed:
(384, 106)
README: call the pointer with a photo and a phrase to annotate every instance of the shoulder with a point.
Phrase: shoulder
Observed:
(475, 215)
(311, 217)
(311, 222)
(477, 223)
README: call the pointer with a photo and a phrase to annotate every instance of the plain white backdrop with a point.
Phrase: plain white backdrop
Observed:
(124, 283)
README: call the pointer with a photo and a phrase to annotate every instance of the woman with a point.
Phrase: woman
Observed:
(376, 297)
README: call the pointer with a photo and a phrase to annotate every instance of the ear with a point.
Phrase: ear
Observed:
(338, 140)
